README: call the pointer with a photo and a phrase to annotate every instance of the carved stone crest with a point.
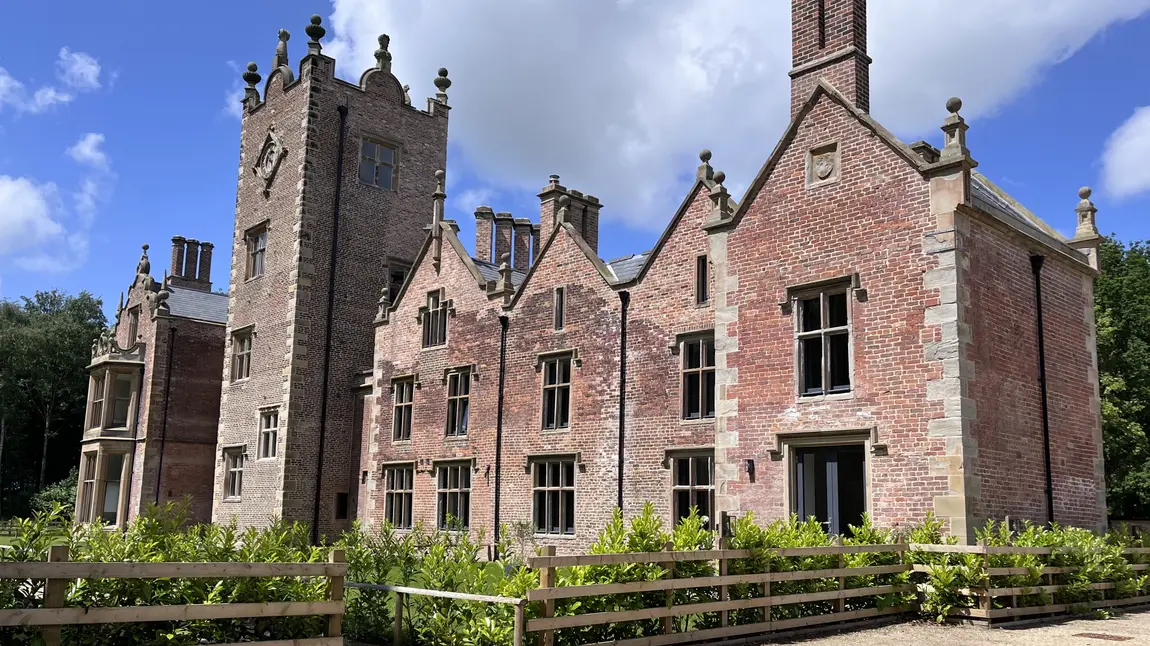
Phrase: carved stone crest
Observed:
(824, 166)
(268, 162)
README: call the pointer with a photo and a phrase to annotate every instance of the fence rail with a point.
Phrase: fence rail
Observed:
(58, 572)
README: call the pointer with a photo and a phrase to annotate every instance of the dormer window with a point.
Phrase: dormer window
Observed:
(378, 164)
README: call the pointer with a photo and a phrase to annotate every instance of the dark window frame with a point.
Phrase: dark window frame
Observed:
(399, 495)
(687, 463)
(369, 156)
(556, 392)
(553, 496)
(824, 341)
(702, 280)
(453, 496)
(234, 464)
(256, 246)
(458, 402)
(559, 307)
(698, 400)
(403, 408)
(434, 319)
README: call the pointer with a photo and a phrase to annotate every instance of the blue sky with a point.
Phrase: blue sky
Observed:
(118, 123)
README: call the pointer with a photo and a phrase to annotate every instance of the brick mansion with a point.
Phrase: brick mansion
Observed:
(874, 327)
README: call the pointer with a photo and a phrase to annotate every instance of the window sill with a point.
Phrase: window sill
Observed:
(406, 443)
(560, 537)
(429, 348)
(253, 279)
(240, 382)
(696, 422)
(821, 398)
(266, 458)
(555, 431)
(456, 439)
(232, 500)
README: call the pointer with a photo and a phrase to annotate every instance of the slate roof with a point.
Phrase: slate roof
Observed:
(628, 267)
(195, 304)
(490, 271)
(988, 197)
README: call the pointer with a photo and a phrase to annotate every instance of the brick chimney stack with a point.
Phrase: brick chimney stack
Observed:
(191, 264)
(828, 41)
(582, 213)
(503, 227)
(484, 230)
(522, 245)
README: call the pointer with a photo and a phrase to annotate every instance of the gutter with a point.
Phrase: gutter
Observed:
(624, 303)
(1036, 267)
(330, 324)
(499, 424)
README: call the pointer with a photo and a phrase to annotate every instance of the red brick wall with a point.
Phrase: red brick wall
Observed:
(871, 222)
(472, 338)
(592, 328)
(1005, 387)
(662, 307)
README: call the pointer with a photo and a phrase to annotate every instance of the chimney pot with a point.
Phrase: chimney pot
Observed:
(205, 272)
(178, 245)
(191, 259)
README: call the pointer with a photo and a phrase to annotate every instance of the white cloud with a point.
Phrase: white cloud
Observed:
(78, 70)
(1124, 169)
(28, 215)
(234, 96)
(473, 197)
(617, 96)
(87, 151)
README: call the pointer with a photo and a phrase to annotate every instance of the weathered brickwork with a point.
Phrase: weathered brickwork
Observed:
(935, 395)
(310, 312)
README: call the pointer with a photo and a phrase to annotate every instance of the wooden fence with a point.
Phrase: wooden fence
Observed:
(58, 572)
(1010, 600)
(402, 593)
(548, 593)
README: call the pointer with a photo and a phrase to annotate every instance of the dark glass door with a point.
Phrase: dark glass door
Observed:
(830, 484)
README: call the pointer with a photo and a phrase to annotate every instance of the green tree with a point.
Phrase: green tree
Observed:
(1122, 307)
(45, 346)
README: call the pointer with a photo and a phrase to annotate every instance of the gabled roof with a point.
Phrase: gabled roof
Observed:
(452, 241)
(198, 305)
(629, 267)
(604, 271)
(490, 272)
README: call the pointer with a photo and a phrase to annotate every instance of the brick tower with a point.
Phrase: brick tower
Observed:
(334, 180)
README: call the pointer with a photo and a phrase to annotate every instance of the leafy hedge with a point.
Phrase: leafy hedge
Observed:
(457, 562)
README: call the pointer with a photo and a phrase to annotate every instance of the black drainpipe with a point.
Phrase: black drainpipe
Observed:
(499, 424)
(1036, 267)
(330, 324)
(624, 302)
(164, 420)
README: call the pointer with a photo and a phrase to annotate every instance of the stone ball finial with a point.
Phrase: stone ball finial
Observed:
(1085, 192)
(145, 248)
(252, 76)
(315, 30)
(505, 258)
(705, 155)
(285, 35)
(564, 201)
(439, 175)
(953, 105)
(441, 81)
(720, 177)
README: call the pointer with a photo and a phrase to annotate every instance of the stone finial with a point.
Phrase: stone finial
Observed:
(441, 84)
(316, 32)
(145, 265)
(720, 198)
(505, 286)
(120, 307)
(252, 77)
(382, 56)
(564, 202)
(954, 130)
(705, 172)
(406, 95)
(437, 198)
(1087, 215)
(281, 50)
(384, 304)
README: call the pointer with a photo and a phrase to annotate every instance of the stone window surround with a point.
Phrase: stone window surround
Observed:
(260, 430)
(100, 455)
(109, 371)
(680, 341)
(561, 459)
(226, 450)
(250, 235)
(384, 468)
(787, 442)
(412, 378)
(670, 455)
(397, 156)
(852, 285)
(446, 309)
(541, 360)
(249, 331)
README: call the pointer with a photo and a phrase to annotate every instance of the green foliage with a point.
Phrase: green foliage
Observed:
(1122, 310)
(62, 493)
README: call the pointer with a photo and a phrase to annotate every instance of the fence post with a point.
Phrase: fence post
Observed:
(669, 622)
(55, 593)
(987, 600)
(520, 621)
(767, 593)
(547, 580)
(397, 632)
(842, 604)
(724, 594)
(335, 593)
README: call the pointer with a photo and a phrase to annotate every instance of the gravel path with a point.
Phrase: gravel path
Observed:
(1133, 628)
